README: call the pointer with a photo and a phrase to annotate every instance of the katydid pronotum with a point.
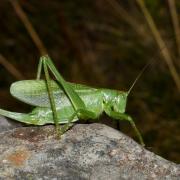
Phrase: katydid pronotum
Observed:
(60, 102)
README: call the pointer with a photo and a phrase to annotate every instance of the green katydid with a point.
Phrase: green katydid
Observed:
(60, 102)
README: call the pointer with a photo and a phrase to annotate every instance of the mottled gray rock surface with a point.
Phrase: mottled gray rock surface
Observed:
(6, 124)
(92, 152)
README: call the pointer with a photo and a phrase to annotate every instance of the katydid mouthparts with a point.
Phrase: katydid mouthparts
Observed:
(60, 102)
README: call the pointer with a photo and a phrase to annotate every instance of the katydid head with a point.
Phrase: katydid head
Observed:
(115, 100)
(120, 102)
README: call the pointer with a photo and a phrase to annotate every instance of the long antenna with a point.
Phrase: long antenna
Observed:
(139, 75)
(145, 67)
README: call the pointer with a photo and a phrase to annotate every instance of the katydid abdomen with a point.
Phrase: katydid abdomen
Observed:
(34, 92)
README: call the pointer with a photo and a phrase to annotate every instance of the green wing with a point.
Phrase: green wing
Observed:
(34, 92)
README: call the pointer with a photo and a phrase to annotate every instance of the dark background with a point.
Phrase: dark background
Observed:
(103, 43)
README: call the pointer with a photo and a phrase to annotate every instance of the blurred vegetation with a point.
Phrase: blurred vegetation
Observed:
(102, 43)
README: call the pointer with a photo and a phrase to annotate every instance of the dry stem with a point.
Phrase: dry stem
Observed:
(29, 27)
(11, 68)
(175, 21)
(160, 43)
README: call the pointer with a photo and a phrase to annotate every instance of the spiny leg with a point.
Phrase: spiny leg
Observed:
(126, 117)
(129, 118)
(76, 101)
(42, 64)
(51, 98)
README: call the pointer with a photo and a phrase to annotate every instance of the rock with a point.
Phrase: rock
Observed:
(92, 152)
(6, 124)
